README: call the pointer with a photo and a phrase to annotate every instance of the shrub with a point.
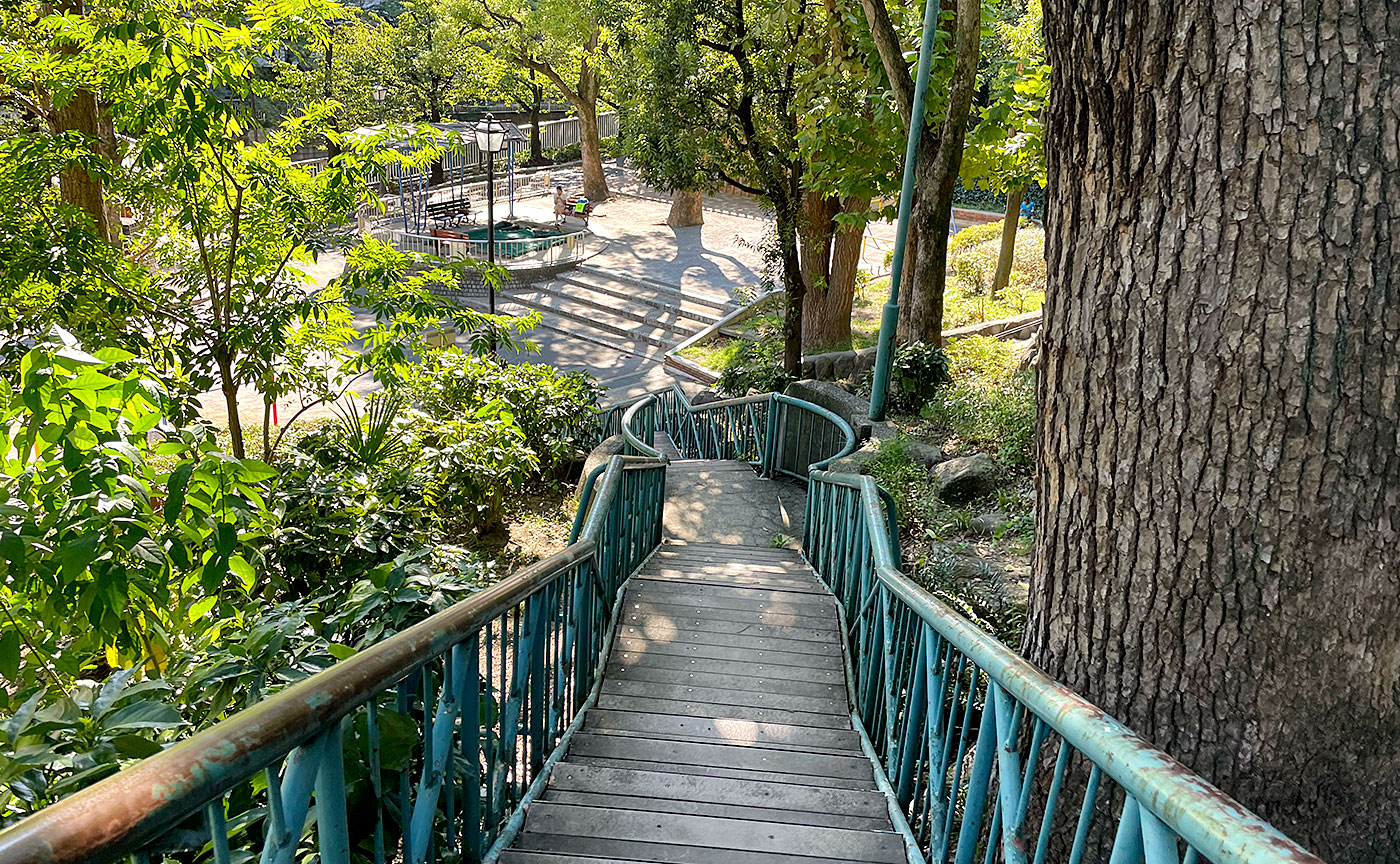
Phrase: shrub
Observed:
(556, 411)
(974, 235)
(468, 464)
(918, 369)
(999, 416)
(754, 366)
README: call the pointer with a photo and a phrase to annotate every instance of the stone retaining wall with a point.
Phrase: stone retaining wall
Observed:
(840, 365)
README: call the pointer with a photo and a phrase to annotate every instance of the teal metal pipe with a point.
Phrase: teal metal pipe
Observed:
(889, 318)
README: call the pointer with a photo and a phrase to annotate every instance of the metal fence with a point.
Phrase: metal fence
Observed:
(553, 135)
(531, 252)
(449, 726)
(986, 755)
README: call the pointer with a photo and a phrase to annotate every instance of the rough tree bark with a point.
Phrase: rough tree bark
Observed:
(83, 113)
(940, 155)
(687, 208)
(583, 96)
(830, 259)
(536, 106)
(1218, 549)
(1006, 255)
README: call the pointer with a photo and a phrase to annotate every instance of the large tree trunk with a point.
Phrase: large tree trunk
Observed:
(940, 155)
(1006, 256)
(830, 260)
(536, 104)
(82, 113)
(794, 285)
(595, 183)
(1218, 545)
(687, 208)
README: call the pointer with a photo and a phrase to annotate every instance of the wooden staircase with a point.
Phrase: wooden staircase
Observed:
(722, 732)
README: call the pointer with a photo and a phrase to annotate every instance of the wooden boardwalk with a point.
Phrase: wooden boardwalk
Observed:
(722, 732)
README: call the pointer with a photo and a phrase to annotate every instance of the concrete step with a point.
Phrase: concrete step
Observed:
(705, 307)
(553, 322)
(586, 316)
(682, 325)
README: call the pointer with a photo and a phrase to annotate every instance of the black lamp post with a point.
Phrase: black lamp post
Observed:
(379, 92)
(490, 140)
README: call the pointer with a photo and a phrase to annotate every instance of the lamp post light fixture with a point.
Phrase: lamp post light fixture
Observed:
(490, 140)
(379, 92)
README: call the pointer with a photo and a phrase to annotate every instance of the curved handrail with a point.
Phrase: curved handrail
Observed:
(1164, 795)
(122, 813)
(639, 427)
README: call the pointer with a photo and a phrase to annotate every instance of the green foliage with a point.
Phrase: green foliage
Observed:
(916, 371)
(1006, 149)
(756, 364)
(106, 553)
(556, 411)
(990, 405)
(50, 751)
(972, 263)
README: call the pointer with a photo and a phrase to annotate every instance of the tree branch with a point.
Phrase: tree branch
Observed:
(891, 56)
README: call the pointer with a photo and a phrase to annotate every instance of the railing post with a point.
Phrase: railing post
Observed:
(332, 828)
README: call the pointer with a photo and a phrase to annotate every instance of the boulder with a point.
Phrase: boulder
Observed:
(1024, 352)
(965, 478)
(989, 523)
(853, 409)
(704, 397)
(808, 368)
(822, 367)
(843, 365)
(865, 358)
(608, 448)
(857, 462)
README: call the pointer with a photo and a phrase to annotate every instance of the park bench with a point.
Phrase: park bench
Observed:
(453, 211)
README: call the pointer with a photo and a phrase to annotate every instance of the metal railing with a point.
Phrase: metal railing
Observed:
(529, 252)
(979, 747)
(449, 724)
(776, 434)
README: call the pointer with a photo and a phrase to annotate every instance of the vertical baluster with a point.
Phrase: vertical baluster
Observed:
(403, 702)
(1158, 842)
(1042, 844)
(375, 778)
(1127, 843)
(332, 827)
(977, 785)
(218, 829)
(471, 706)
(1086, 815)
(913, 723)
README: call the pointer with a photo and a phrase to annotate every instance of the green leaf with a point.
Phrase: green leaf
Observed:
(339, 651)
(243, 570)
(136, 747)
(77, 553)
(143, 715)
(202, 607)
(175, 491)
(9, 655)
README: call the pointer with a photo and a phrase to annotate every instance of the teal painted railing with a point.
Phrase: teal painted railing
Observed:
(776, 434)
(987, 757)
(449, 725)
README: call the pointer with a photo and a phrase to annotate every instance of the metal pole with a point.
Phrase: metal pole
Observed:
(889, 319)
(491, 232)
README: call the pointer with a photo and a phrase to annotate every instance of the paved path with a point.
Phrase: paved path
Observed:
(722, 731)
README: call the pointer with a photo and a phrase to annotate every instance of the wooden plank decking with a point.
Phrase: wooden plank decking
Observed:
(722, 732)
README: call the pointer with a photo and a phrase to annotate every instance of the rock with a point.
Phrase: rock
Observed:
(809, 367)
(923, 454)
(608, 448)
(853, 409)
(1025, 351)
(964, 478)
(857, 462)
(844, 365)
(865, 359)
(704, 397)
(989, 523)
(822, 367)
